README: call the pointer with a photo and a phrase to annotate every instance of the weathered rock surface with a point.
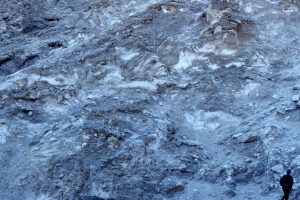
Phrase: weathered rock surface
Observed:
(148, 99)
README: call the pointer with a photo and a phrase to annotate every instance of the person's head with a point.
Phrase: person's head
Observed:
(288, 171)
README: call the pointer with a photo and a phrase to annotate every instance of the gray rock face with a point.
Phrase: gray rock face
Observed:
(148, 99)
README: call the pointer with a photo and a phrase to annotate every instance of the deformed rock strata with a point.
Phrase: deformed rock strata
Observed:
(136, 99)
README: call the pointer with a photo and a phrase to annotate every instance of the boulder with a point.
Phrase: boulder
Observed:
(249, 138)
(278, 169)
(172, 185)
(295, 98)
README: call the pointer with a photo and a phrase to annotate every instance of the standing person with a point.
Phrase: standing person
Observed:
(286, 183)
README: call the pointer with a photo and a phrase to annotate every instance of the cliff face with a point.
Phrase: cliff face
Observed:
(140, 99)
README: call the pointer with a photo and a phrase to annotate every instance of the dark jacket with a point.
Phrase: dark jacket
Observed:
(286, 181)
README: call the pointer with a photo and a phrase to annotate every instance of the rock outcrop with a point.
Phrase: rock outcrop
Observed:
(148, 99)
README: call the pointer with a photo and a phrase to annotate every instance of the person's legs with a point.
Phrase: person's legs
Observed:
(286, 194)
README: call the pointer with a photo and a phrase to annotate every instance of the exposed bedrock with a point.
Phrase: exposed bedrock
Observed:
(140, 99)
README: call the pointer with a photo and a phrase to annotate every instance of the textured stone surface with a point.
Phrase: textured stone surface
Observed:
(148, 99)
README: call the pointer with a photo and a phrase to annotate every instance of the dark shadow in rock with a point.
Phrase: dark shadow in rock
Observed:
(230, 193)
(56, 44)
(51, 19)
(33, 25)
(28, 61)
(5, 59)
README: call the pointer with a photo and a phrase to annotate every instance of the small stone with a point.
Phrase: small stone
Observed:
(34, 140)
(287, 117)
(182, 167)
(295, 98)
(191, 143)
(78, 147)
(60, 98)
(278, 169)
(29, 114)
(248, 160)
(67, 96)
(271, 187)
(218, 29)
(236, 136)
(290, 108)
(250, 139)
(230, 181)
(175, 188)
(146, 112)
(36, 148)
(84, 144)
(254, 138)
(34, 95)
(212, 195)
(86, 137)
(280, 111)
(171, 186)
(200, 174)
(52, 140)
(230, 193)
(259, 169)
(296, 87)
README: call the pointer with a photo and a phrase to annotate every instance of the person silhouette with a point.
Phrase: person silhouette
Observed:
(286, 183)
